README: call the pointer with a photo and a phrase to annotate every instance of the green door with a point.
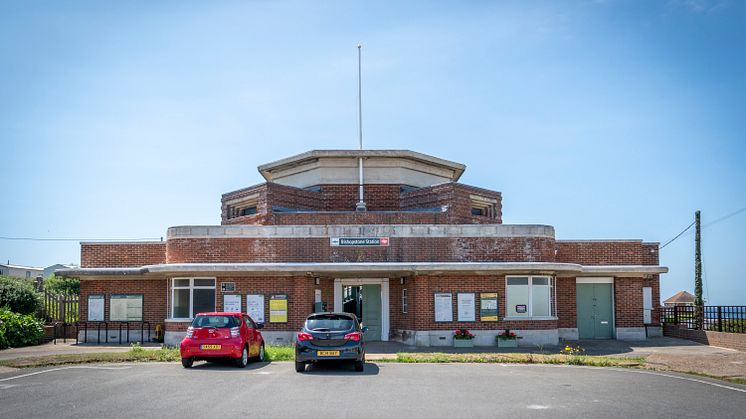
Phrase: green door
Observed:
(372, 311)
(595, 316)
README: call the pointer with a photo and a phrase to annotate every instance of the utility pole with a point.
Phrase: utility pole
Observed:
(697, 261)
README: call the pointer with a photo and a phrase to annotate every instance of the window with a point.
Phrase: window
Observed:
(529, 296)
(483, 207)
(190, 296)
(404, 302)
(248, 211)
(249, 323)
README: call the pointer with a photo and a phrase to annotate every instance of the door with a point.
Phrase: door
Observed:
(371, 311)
(647, 305)
(595, 316)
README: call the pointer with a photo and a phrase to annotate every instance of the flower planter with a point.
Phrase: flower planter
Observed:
(507, 343)
(463, 343)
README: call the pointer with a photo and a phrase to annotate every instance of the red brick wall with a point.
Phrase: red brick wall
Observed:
(424, 312)
(628, 302)
(119, 255)
(650, 255)
(153, 291)
(457, 197)
(566, 303)
(299, 290)
(350, 218)
(405, 249)
(735, 341)
(600, 252)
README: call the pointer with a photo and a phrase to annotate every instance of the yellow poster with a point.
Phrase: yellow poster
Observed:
(278, 308)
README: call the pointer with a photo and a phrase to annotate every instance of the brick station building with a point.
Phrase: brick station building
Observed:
(426, 255)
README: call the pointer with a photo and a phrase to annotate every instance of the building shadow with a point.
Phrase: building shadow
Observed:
(340, 368)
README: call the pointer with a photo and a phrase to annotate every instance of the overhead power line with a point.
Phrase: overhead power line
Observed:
(711, 223)
(678, 235)
(68, 239)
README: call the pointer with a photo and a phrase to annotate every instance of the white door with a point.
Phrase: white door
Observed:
(647, 304)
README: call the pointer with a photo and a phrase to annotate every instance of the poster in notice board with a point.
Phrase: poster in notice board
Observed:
(443, 307)
(255, 307)
(125, 307)
(232, 303)
(488, 307)
(466, 307)
(278, 308)
(95, 308)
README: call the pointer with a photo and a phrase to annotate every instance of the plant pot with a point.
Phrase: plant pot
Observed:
(463, 343)
(507, 343)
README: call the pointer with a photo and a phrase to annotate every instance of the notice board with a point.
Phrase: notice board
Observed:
(125, 308)
(255, 307)
(443, 307)
(278, 308)
(96, 308)
(232, 303)
(466, 307)
(488, 307)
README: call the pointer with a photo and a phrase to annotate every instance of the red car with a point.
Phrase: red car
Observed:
(222, 335)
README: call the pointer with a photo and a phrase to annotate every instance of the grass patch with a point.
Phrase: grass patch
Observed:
(517, 358)
(279, 353)
(136, 354)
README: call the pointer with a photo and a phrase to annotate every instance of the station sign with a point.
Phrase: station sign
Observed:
(359, 241)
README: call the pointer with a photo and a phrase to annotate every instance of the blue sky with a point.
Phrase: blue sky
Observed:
(604, 119)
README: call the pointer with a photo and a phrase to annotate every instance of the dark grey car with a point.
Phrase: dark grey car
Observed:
(330, 336)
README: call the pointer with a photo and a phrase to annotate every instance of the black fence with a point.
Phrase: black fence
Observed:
(731, 319)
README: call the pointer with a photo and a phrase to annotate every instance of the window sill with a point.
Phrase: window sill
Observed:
(178, 320)
(529, 318)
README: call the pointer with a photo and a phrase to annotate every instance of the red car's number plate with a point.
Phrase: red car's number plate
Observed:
(209, 347)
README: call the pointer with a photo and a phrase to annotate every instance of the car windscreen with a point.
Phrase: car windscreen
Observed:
(329, 323)
(216, 321)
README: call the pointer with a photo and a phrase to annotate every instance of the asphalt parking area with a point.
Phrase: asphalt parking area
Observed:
(382, 390)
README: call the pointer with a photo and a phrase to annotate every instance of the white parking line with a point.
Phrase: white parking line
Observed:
(61, 369)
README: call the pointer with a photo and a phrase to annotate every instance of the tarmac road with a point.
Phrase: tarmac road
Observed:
(383, 390)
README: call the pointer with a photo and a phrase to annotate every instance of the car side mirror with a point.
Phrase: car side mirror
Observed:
(260, 325)
(364, 329)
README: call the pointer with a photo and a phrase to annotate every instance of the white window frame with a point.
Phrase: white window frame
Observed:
(404, 301)
(191, 287)
(530, 308)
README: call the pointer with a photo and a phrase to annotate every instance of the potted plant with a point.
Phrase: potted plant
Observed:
(463, 338)
(507, 339)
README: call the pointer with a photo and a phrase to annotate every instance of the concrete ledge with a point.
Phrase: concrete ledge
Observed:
(395, 231)
(444, 338)
(630, 333)
(568, 333)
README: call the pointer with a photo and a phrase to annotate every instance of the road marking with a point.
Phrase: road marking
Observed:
(660, 374)
(61, 369)
(537, 407)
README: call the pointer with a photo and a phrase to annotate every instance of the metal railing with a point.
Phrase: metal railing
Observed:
(731, 319)
(121, 327)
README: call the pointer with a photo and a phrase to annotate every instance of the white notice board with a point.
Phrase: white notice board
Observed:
(466, 304)
(255, 307)
(232, 303)
(95, 308)
(125, 307)
(443, 307)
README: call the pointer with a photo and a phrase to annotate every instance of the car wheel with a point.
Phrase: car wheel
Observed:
(244, 359)
(300, 366)
(359, 366)
(187, 362)
(262, 355)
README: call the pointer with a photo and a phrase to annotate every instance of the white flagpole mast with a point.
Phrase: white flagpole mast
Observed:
(361, 204)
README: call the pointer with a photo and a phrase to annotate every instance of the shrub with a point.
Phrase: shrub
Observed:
(61, 285)
(19, 295)
(19, 329)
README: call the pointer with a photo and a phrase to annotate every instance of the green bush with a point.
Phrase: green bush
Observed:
(19, 295)
(19, 329)
(60, 285)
